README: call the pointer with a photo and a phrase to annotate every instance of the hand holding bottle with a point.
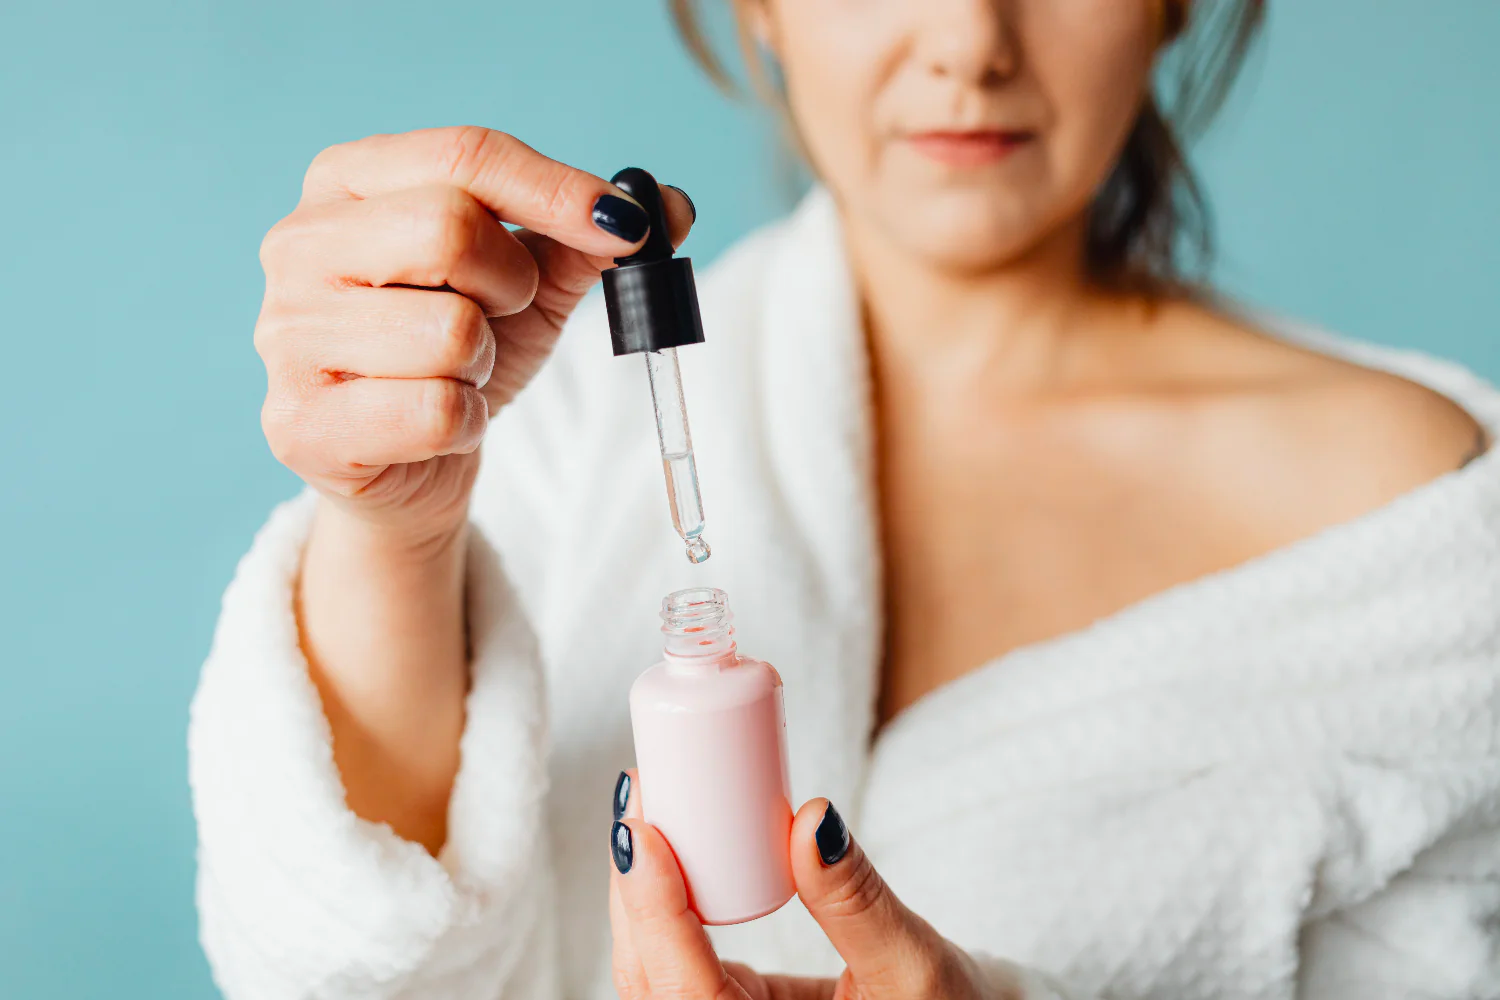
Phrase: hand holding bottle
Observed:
(661, 949)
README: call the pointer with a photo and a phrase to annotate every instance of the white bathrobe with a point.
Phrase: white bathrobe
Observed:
(1282, 780)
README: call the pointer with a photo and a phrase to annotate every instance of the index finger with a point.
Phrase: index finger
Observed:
(509, 178)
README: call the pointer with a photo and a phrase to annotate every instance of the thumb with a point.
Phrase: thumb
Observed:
(889, 949)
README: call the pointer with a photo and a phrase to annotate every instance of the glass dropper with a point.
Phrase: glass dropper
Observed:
(676, 443)
(652, 303)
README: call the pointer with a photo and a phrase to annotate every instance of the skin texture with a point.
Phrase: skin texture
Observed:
(1047, 449)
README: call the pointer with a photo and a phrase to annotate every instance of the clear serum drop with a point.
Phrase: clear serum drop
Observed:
(652, 302)
(710, 748)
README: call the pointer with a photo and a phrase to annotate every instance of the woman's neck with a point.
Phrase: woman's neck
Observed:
(1016, 326)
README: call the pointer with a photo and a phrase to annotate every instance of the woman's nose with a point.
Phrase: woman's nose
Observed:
(969, 40)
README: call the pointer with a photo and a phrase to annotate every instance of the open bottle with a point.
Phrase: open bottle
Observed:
(710, 748)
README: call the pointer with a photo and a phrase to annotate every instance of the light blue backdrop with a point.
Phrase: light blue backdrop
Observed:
(145, 147)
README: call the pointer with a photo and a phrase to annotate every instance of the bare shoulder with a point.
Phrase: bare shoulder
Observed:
(1402, 431)
(1320, 435)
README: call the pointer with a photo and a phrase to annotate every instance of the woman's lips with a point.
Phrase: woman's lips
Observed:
(969, 149)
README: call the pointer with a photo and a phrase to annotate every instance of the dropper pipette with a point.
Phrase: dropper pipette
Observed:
(652, 303)
(676, 443)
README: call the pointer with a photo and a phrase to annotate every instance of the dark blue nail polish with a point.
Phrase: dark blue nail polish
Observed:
(832, 837)
(621, 847)
(622, 794)
(691, 207)
(621, 218)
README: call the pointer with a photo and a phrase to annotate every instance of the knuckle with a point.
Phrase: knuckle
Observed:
(465, 151)
(266, 337)
(523, 279)
(282, 323)
(931, 969)
(445, 412)
(281, 420)
(279, 330)
(277, 241)
(448, 225)
(462, 332)
(922, 975)
(858, 894)
(556, 189)
(270, 247)
(324, 169)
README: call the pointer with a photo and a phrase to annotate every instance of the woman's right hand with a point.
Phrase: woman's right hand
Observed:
(400, 313)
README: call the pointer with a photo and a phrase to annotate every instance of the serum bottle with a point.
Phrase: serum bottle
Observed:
(710, 747)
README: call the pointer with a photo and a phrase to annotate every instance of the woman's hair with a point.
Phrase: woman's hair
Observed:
(1149, 227)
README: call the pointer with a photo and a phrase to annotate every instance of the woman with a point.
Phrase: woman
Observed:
(1147, 651)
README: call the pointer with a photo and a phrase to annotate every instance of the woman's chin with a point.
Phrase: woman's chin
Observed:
(965, 230)
(977, 245)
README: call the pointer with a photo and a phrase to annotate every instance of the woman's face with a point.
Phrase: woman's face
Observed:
(964, 130)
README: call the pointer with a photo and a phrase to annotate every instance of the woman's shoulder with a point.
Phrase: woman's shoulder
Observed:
(1358, 422)
(1320, 429)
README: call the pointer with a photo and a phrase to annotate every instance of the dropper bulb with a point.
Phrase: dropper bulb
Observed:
(641, 186)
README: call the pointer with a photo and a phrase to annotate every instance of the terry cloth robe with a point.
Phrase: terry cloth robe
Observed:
(1281, 780)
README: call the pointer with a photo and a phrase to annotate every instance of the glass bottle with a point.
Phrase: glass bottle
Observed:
(710, 745)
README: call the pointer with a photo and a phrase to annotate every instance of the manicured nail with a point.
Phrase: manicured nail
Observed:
(621, 847)
(691, 207)
(832, 837)
(621, 218)
(622, 794)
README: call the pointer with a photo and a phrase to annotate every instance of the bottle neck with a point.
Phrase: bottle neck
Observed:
(698, 628)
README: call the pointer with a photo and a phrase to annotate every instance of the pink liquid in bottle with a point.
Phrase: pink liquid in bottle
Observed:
(710, 747)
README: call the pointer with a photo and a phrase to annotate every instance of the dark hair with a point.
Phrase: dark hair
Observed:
(1149, 228)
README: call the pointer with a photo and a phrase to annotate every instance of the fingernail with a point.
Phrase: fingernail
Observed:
(621, 218)
(622, 794)
(832, 837)
(621, 847)
(691, 207)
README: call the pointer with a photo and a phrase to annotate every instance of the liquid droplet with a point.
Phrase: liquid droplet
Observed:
(697, 551)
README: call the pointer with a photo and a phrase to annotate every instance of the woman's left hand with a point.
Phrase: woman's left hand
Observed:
(661, 951)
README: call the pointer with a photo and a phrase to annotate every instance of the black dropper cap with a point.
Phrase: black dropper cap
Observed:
(650, 296)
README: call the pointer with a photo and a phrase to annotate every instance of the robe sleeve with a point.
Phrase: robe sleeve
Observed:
(298, 896)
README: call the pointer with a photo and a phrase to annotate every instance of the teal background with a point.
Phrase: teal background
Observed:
(144, 149)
